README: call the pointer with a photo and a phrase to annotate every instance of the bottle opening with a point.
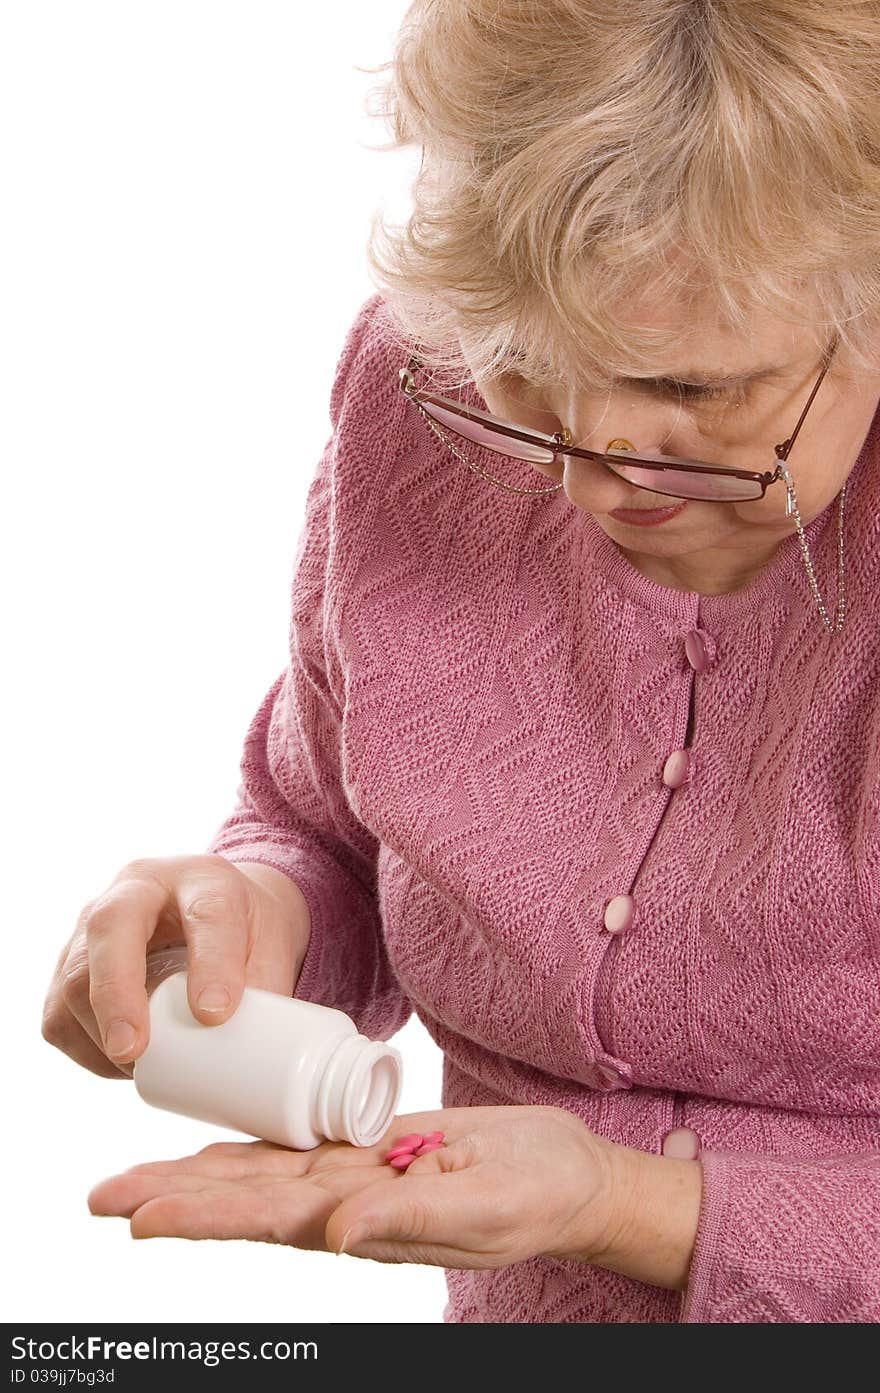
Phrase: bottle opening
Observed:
(378, 1098)
(358, 1091)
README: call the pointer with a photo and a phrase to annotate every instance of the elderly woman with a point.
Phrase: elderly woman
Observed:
(577, 754)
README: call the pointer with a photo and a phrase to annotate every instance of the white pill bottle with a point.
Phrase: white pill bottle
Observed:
(281, 1069)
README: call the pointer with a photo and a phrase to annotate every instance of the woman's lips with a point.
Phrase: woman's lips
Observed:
(647, 517)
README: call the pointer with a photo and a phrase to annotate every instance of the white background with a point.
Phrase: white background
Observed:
(187, 190)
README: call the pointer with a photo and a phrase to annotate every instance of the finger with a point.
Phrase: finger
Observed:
(426, 1254)
(123, 1194)
(68, 1013)
(273, 1212)
(216, 913)
(119, 925)
(332, 1163)
(232, 1161)
(236, 1162)
(327, 1164)
(424, 1211)
(67, 1034)
(64, 954)
(67, 1002)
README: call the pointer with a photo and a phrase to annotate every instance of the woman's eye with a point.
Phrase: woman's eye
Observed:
(709, 393)
(729, 396)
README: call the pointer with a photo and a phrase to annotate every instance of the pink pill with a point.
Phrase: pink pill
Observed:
(411, 1141)
(428, 1146)
(401, 1162)
(398, 1151)
(432, 1137)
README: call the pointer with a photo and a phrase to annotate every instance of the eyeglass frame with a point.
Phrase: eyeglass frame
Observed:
(560, 442)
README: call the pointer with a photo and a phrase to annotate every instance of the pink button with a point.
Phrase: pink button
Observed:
(619, 914)
(608, 1077)
(682, 1143)
(700, 649)
(677, 769)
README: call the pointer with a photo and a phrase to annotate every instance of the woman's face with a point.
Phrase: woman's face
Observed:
(710, 547)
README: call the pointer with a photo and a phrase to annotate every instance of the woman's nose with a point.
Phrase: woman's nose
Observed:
(593, 484)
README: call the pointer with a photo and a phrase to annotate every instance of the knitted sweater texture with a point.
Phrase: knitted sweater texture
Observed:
(463, 763)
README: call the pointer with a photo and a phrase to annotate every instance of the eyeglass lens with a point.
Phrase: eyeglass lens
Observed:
(676, 483)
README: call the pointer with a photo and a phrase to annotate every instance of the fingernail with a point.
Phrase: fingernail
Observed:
(353, 1235)
(213, 998)
(120, 1037)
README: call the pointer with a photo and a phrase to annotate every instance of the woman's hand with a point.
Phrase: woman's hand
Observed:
(510, 1183)
(230, 924)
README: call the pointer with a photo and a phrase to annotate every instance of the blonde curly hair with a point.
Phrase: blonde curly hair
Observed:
(577, 152)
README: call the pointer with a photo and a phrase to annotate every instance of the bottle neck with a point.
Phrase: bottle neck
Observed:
(357, 1091)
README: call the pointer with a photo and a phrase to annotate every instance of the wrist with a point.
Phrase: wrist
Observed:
(644, 1220)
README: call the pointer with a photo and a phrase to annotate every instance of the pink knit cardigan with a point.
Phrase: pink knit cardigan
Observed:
(467, 759)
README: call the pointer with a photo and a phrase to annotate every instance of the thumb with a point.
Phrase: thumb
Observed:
(417, 1215)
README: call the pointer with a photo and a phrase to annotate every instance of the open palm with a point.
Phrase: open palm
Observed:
(511, 1182)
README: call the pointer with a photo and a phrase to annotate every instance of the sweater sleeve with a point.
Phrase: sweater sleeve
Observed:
(787, 1240)
(291, 810)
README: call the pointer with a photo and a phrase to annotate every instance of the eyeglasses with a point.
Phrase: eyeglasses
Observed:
(665, 474)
